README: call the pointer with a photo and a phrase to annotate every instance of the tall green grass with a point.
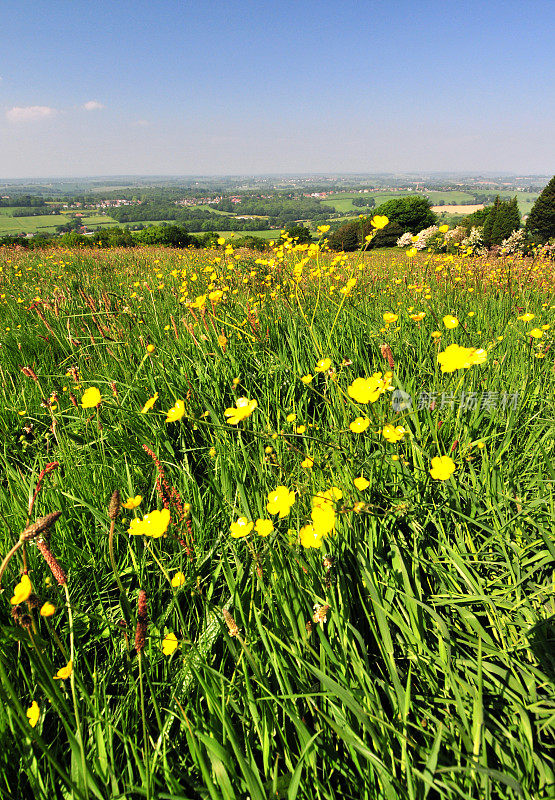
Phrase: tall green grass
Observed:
(432, 674)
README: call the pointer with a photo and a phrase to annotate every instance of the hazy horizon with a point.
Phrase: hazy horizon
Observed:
(135, 89)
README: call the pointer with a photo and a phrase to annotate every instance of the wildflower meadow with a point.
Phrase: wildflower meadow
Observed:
(276, 525)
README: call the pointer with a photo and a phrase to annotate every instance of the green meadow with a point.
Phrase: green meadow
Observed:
(276, 526)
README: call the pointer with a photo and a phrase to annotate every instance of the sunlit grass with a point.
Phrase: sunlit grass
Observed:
(352, 593)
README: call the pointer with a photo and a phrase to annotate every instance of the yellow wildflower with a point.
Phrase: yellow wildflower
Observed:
(33, 713)
(22, 591)
(132, 502)
(280, 501)
(392, 433)
(169, 644)
(91, 398)
(64, 672)
(359, 424)
(149, 403)
(244, 408)
(323, 365)
(154, 524)
(176, 412)
(442, 468)
(242, 527)
(309, 537)
(178, 580)
(47, 610)
(264, 527)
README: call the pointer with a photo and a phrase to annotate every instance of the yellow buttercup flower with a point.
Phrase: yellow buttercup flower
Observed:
(361, 483)
(367, 390)
(359, 424)
(309, 537)
(169, 644)
(392, 433)
(308, 463)
(411, 252)
(241, 527)
(264, 527)
(154, 524)
(280, 501)
(149, 403)
(306, 379)
(457, 357)
(47, 610)
(536, 333)
(418, 317)
(379, 222)
(33, 713)
(176, 412)
(526, 317)
(64, 672)
(150, 348)
(22, 591)
(442, 468)
(323, 365)
(388, 317)
(244, 408)
(91, 398)
(450, 322)
(132, 502)
(178, 580)
(443, 228)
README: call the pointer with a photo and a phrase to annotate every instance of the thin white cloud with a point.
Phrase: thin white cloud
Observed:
(92, 105)
(29, 113)
(142, 123)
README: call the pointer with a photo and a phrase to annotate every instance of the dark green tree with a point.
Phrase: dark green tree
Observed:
(541, 220)
(413, 213)
(507, 220)
(489, 221)
(299, 233)
(386, 237)
(347, 237)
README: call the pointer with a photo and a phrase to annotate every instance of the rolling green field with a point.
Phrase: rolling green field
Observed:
(342, 201)
(269, 234)
(47, 222)
(276, 527)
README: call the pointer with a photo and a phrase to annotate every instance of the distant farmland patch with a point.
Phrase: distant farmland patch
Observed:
(457, 209)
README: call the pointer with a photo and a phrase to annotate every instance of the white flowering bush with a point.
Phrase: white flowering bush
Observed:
(405, 240)
(424, 237)
(474, 242)
(515, 243)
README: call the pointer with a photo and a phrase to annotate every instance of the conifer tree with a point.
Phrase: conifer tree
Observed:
(507, 220)
(490, 221)
(541, 221)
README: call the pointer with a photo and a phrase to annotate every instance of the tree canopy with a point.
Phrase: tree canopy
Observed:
(541, 221)
(413, 213)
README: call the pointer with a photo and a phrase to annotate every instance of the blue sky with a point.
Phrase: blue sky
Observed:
(169, 87)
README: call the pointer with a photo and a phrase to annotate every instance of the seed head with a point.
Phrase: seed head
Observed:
(42, 525)
(232, 628)
(115, 505)
(142, 622)
(48, 556)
